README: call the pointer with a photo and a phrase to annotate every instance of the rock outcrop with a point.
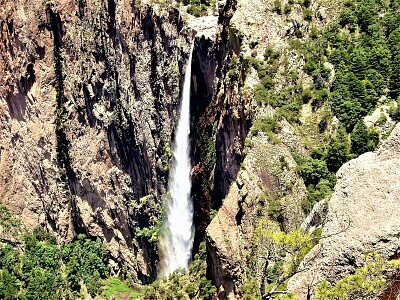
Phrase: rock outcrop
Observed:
(268, 174)
(363, 216)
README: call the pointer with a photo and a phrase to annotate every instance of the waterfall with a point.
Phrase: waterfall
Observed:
(177, 239)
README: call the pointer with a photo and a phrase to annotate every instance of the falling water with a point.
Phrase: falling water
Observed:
(177, 239)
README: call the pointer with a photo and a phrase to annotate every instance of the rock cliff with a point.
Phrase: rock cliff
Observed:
(362, 217)
(89, 94)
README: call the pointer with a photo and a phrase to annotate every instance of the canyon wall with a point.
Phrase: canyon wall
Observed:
(89, 94)
(362, 218)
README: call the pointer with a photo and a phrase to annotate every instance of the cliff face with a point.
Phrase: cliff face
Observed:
(89, 94)
(220, 118)
(362, 217)
(89, 98)
(246, 178)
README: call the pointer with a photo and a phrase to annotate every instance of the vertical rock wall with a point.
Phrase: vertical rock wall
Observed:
(89, 93)
(220, 118)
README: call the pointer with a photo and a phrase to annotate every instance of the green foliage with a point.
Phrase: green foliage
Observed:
(364, 59)
(114, 287)
(250, 289)
(283, 252)
(307, 14)
(277, 7)
(85, 260)
(287, 9)
(266, 124)
(184, 284)
(338, 150)
(151, 234)
(275, 211)
(10, 225)
(306, 95)
(7, 220)
(318, 171)
(313, 171)
(363, 139)
(46, 270)
(367, 282)
(394, 111)
(9, 285)
(270, 53)
(316, 193)
(196, 8)
(41, 266)
(319, 180)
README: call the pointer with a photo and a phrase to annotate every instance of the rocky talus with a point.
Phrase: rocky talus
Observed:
(89, 92)
(363, 216)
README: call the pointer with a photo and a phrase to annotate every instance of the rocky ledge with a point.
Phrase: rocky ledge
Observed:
(363, 216)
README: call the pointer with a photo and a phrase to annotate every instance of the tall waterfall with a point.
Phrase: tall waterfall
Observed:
(177, 239)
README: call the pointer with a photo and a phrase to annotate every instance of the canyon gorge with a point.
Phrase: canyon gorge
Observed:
(289, 154)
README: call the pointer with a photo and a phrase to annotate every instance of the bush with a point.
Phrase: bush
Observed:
(394, 111)
(322, 190)
(277, 7)
(313, 171)
(85, 260)
(194, 10)
(275, 211)
(363, 139)
(266, 124)
(338, 150)
(287, 9)
(307, 15)
(306, 95)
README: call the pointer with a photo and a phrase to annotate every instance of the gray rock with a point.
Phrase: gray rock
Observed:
(363, 216)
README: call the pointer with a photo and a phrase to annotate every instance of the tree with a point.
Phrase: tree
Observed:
(283, 253)
(9, 285)
(85, 261)
(338, 150)
(368, 282)
(362, 139)
(394, 80)
(313, 171)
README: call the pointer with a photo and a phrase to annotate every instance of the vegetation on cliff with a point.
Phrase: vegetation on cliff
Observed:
(342, 71)
(352, 63)
(184, 284)
(329, 79)
(367, 282)
(33, 265)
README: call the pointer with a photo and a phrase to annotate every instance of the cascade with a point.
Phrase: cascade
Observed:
(177, 239)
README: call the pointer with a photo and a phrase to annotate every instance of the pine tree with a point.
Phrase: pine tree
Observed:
(338, 150)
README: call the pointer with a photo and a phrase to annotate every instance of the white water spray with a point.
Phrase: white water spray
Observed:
(177, 239)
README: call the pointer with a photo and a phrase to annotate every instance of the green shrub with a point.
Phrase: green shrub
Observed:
(307, 14)
(313, 170)
(266, 124)
(363, 139)
(394, 111)
(338, 150)
(194, 10)
(287, 9)
(46, 270)
(306, 95)
(277, 7)
(367, 282)
(275, 210)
